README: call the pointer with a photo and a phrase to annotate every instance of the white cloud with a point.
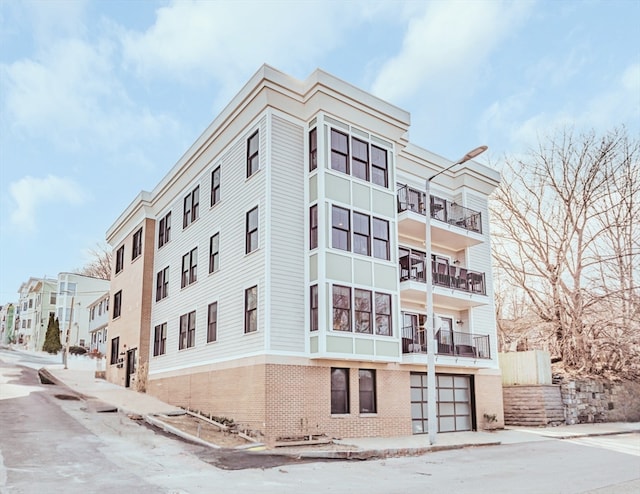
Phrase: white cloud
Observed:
(32, 193)
(447, 43)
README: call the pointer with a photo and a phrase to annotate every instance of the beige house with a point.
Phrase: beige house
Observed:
(276, 275)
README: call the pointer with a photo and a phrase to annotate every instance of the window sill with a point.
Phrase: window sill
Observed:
(340, 415)
(368, 415)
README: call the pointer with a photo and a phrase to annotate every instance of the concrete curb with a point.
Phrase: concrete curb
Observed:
(177, 432)
(44, 373)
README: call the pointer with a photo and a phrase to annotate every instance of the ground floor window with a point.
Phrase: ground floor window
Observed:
(339, 390)
(367, 383)
(115, 350)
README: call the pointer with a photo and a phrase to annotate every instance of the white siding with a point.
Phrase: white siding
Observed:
(237, 270)
(287, 236)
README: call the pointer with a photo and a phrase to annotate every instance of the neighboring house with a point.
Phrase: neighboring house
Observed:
(7, 315)
(75, 293)
(276, 274)
(98, 320)
(37, 301)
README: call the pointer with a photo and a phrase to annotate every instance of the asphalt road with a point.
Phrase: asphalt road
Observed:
(54, 445)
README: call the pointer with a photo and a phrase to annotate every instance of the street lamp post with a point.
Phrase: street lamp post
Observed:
(431, 350)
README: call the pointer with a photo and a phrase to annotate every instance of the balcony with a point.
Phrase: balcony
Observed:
(455, 226)
(448, 342)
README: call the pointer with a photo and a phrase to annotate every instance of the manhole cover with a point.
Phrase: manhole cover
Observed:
(67, 397)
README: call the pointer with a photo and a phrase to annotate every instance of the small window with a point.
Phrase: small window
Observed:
(117, 304)
(162, 284)
(341, 308)
(363, 311)
(361, 234)
(160, 339)
(367, 391)
(313, 149)
(53, 297)
(164, 230)
(313, 227)
(340, 228)
(251, 310)
(30, 303)
(189, 268)
(187, 337)
(120, 259)
(359, 159)
(252, 230)
(381, 239)
(214, 253)
(339, 151)
(191, 207)
(383, 314)
(215, 186)
(339, 390)
(379, 169)
(253, 149)
(136, 248)
(115, 350)
(313, 316)
(212, 322)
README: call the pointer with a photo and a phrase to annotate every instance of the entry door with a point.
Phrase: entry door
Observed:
(454, 410)
(131, 366)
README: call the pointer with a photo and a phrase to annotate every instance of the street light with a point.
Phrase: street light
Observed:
(431, 351)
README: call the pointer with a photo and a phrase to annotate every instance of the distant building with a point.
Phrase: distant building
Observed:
(276, 274)
(7, 323)
(37, 301)
(75, 293)
(98, 321)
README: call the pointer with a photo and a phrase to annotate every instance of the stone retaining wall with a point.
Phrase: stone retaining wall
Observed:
(532, 405)
(591, 400)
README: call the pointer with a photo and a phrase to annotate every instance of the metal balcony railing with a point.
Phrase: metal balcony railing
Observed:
(410, 199)
(448, 342)
(444, 274)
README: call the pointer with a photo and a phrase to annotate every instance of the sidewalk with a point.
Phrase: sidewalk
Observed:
(102, 396)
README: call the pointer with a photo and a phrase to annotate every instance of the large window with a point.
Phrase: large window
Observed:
(359, 159)
(189, 268)
(251, 309)
(339, 390)
(160, 339)
(164, 231)
(191, 207)
(313, 316)
(212, 322)
(381, 239)
(341, 308)
(215, 186)
(187, 337)
(252, 230)
(339, 151)
(120, 259)
(115, 350)
(162, 284)
(313, 149)
(117, 304)
(379, 169)
(363, 310)
(367, 385)
(214, 253)
(340, 228)
(361, 234)
(253, 150)
(313, 226)
(136, 248)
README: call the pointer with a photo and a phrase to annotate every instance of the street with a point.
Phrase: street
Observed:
(51, 442)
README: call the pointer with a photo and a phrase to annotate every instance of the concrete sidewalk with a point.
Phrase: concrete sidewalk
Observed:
(133, 402)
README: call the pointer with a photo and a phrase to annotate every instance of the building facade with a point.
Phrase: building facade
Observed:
(37, 301)
(98, 322)
(280, 276)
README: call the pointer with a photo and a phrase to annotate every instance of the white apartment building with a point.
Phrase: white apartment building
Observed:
(75, 293)
(276, 275)
(98, 322)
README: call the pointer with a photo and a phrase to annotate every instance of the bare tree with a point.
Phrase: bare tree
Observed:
(99, 266)
(566, 236)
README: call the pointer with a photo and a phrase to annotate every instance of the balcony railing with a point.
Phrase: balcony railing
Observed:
(448, 342)
(444, 274)
(410, 199)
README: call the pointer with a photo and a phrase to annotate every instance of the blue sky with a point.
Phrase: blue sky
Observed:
(98, 99)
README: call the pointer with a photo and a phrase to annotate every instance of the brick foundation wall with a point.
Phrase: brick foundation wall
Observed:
(532, 405)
